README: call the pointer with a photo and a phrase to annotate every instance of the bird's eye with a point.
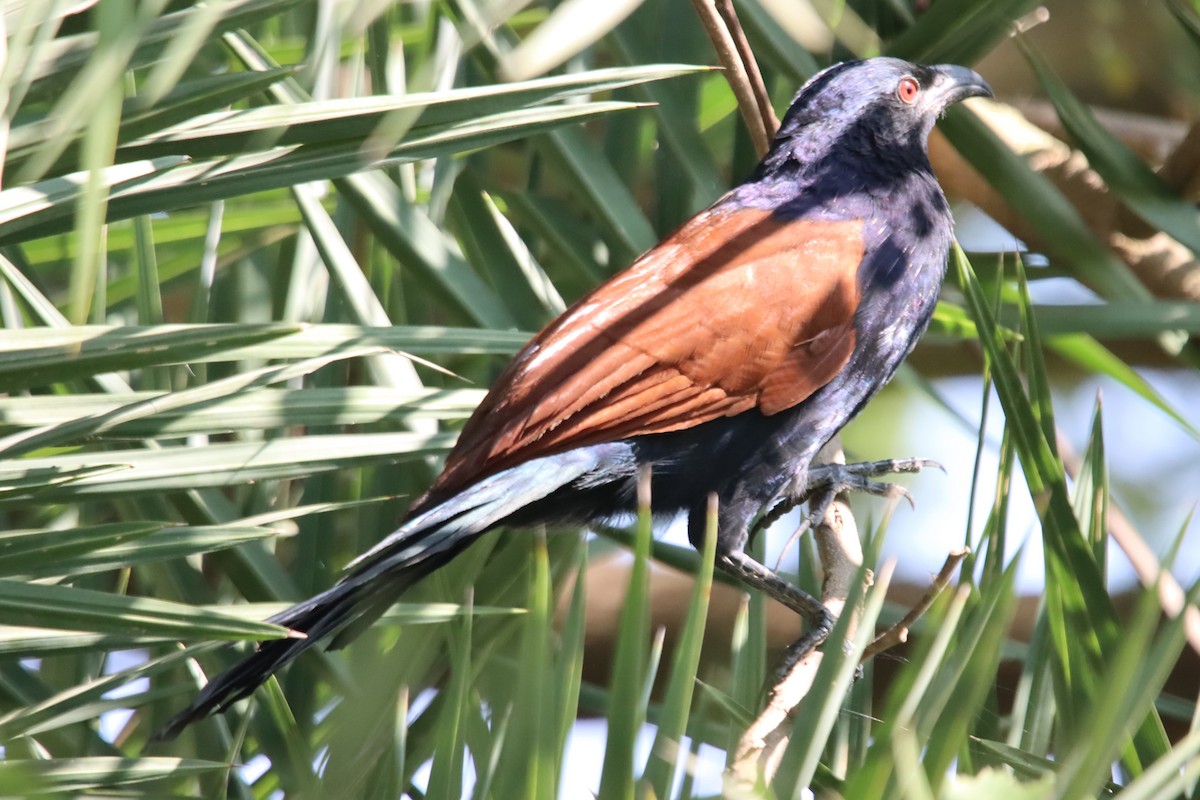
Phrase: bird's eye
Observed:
(908, 89)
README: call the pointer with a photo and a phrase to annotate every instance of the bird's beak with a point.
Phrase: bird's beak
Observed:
(952, 83)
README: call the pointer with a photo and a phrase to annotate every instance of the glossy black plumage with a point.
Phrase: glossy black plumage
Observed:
(723, 359)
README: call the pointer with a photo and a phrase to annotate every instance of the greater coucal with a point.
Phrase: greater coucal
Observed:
(722, 360)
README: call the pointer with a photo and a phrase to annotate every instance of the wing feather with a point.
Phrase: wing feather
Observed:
(737, 310)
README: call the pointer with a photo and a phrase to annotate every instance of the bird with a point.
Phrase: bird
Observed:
(720, 361)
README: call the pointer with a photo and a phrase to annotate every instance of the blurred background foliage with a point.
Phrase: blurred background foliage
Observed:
(260, 258)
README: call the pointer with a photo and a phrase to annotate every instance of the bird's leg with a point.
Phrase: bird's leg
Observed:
(758, 576)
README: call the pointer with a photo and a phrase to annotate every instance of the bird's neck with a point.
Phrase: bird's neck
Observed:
(841, 184)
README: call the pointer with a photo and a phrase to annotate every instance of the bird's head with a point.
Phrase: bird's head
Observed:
(871, 107)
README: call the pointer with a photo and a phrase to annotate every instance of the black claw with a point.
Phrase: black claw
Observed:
(773, 516)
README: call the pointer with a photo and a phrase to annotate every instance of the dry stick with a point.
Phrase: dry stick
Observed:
(898, 633)
(753, 75)
(840, 549)
(764, 742)
(736, 72)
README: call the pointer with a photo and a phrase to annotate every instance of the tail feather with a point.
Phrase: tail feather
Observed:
(378, 577)
(318, 617)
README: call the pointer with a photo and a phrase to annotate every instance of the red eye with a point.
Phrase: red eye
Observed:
(907, 90)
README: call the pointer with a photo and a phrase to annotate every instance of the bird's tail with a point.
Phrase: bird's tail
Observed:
(378, 577)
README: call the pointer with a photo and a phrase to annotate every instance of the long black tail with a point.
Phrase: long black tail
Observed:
(319, 617)
(377, 578)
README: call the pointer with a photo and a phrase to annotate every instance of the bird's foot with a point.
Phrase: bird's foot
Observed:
(825, 481)
(839, 478)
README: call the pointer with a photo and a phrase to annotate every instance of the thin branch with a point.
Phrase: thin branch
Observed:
(736, 72)
(898, 633)
(762, 100)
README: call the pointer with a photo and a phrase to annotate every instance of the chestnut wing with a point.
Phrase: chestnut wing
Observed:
(737, 310)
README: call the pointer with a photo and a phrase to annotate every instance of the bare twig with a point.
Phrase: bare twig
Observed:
(758, 87)
(898, 633)
(736, 70)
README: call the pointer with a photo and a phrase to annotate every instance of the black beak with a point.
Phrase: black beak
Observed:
(952, 83)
